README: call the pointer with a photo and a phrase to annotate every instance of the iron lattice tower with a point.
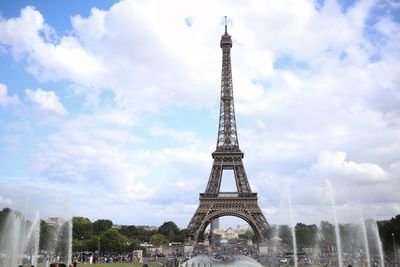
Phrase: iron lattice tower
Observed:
(243, 203)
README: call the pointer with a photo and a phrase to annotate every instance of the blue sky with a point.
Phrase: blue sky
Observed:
(109, 109)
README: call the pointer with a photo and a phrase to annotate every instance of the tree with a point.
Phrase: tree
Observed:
(82, 228)
(386, 229)
(248, 235)
(92, 244)
(168, 228)
(3, 216)
(328, 239)
(182, 236)
(113, 241)
(129, 231)
(285, 234)
(100, 226)
(158, 239)
(45, 234)
(140, 233)
(134, 244)
(306, 235)
(213, 237)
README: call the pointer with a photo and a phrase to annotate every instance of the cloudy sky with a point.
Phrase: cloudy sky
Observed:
(110, 109)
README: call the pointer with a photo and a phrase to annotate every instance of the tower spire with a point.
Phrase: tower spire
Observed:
(226, 26)
(227, 134)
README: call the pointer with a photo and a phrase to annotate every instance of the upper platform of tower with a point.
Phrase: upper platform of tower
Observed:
(226, 40)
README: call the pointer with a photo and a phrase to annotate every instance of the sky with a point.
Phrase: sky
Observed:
(109, 109)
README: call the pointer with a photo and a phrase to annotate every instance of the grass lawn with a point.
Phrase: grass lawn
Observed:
(133, 264)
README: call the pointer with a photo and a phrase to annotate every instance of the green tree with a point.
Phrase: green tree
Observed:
(214, 237)
(386, 229)
(134, 244)
(306, 235)
(182, 236)
(285, 234)
(168, 228)
(328, 239)
(82, 228)
(158, 239)
(113, 241)
(92, 244)
(130, 231)
(45, 234)
(140, 233)
(3, 215)
(248, 235)
(77, 245)
(101, 225)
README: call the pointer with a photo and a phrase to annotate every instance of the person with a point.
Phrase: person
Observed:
(349, 265)
(145, 265)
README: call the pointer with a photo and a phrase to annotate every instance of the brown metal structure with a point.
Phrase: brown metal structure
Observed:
(227, 156)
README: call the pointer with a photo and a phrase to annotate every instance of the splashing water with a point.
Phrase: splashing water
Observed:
(337, 230)
(20, 239)
(69, 240)
(378, 243)
(292, 222)
(365, 238)
(207, 261)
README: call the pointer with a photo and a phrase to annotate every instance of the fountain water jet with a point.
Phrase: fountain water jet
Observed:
(207, 261)
(69, 240)
(289, 200)
(317, 248)
(378, 243)
(365, 238)
(20, 239)
(59, 245)
(337, 230)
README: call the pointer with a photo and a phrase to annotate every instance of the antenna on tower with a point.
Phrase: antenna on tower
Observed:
(226, 27)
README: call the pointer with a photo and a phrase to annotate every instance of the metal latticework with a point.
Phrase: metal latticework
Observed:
(227, 134)
(243, 202)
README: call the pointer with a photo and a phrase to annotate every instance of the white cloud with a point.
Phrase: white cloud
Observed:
(5, 99)
(47, 59)
(179, 136)
(5, 201)
(46, 100)
(335, 165)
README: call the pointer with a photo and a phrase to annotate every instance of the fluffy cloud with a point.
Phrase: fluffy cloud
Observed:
(49, 57)
(5, 201)
(46, 100)
(5, 99)
(335, 165)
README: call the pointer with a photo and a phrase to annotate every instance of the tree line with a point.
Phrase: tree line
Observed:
(101, 236)
(352, 235)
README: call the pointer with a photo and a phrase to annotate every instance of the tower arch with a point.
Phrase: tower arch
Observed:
(259, 237)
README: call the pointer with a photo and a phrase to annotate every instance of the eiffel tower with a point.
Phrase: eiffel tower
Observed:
(227, 156)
